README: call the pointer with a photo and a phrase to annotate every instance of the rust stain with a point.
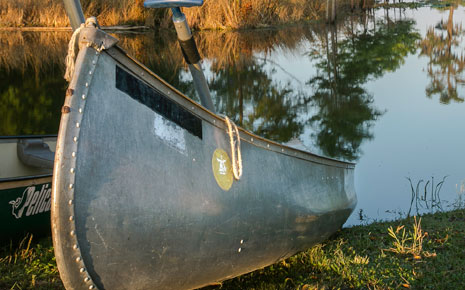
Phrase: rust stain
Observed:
(65, 110)
(69, 92)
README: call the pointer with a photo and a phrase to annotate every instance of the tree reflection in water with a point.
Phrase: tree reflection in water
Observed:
(333, 102)
(345, 113)
(442, 45)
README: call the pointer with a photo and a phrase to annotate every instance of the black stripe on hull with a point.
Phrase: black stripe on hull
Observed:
(158, 102)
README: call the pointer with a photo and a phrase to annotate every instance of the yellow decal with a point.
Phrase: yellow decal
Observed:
(221, 165)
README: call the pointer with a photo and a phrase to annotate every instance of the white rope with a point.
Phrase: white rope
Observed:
(235, 148)
(72, 47)
(70, 57)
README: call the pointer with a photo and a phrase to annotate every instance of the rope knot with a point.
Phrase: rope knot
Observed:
(73, 46)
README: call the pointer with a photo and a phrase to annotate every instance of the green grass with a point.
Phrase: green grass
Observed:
(404, 254)
(29, 265)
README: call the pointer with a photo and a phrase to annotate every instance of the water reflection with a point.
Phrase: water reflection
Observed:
(32, 86)
(345, 112)
(443, 45)
(346, 56)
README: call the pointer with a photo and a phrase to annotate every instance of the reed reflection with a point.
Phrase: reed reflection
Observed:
(32, 86)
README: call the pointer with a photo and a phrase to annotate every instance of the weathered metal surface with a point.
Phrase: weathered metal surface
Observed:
(137, 201)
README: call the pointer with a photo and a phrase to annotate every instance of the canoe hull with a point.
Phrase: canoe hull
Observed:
(138, 202)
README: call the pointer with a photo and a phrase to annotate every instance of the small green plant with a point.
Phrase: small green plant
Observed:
(407, 243)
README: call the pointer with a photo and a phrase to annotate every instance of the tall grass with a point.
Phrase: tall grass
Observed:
(20, 13)
(214, 14)
(51, 13)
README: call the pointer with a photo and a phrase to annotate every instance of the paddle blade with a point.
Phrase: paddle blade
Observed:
(172, 3)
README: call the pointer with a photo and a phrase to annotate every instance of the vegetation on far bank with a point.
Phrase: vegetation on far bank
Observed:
(214, 14)
(405, 254)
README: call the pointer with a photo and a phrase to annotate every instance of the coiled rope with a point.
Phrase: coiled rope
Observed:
(235, 142)
(73, 48)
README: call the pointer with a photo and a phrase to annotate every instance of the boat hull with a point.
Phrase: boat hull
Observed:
(25, 191)
(25, 207)
(143, 193)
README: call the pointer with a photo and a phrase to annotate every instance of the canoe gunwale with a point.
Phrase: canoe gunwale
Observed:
(142, 72)
(27, 137)
(11, 182)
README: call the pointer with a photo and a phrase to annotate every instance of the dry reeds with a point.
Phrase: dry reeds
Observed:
(222, 14)
(22, 13)
(214, 14)
(32, 52)
(51, 13)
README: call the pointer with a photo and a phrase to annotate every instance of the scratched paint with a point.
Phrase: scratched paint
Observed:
(171, 134)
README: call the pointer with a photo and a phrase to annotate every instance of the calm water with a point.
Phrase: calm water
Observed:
(385, 90)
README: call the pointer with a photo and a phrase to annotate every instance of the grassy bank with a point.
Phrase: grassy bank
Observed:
(214, 14)
(410, 253)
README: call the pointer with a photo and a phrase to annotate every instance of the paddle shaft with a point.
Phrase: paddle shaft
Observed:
(192, 57)
(74, 11)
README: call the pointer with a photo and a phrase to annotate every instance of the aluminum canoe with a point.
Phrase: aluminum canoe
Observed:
(143, 194)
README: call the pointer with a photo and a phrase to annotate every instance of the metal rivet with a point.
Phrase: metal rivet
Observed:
(214, 121)
(80, 110)
(142, 74)
(90, 72)
(239, 250)
(72, 233)
(193, 159)
(71, 218)
(78, 125)
(94, 62)
(71, 186)
(87, 279)
(251, 139)
(268, 145)
(83, 96)
(78, 259)
(82, 270)
(87, 84)
(75, 247)
(193, 108)
(75, 139)
(91, 287)
(242, 241)
(282, 150)
(70, 202)
(73, 154)
(71, 170)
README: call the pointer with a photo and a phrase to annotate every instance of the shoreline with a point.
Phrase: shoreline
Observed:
(59, 29)
(409, 253)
